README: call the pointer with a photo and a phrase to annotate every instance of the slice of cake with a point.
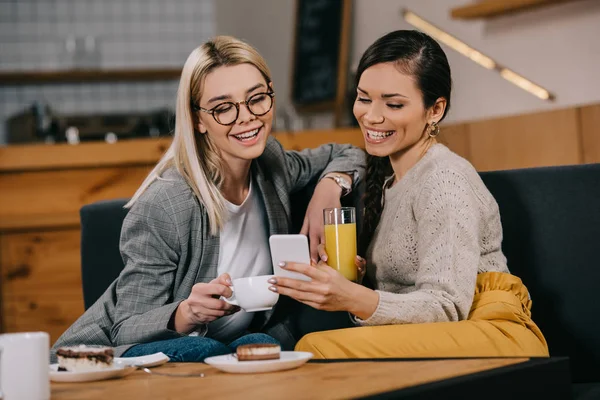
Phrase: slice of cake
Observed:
(253, 352)
(84, 358)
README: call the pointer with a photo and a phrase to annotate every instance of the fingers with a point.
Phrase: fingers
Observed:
(322, 253)
(211, 290)
(295, 284)
(314, 241)
(323, 266)
(210, 303)
(360, 262)
(208, 315)
(300, 295)
(308, 270)
(317, 237)
(361, 266)
(205, 304)
(223, 279)
(227, 292)
(304, 230)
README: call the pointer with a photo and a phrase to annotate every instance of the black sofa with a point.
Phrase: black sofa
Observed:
(551, 222)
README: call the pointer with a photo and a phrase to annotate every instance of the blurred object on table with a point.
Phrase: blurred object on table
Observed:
(34, 124)
(39, 123)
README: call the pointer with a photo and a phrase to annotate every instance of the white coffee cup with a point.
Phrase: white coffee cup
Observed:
(24, 366)
(252, 293)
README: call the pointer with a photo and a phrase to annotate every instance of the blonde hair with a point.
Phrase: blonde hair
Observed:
(199, 161)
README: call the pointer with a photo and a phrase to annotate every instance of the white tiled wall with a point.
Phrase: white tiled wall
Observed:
(34, 35)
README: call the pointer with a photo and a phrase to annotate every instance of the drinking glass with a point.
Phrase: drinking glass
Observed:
(340, 240)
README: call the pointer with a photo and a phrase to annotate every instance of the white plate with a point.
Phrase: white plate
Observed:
(152, 360)
(288, 360)
(118, 370)
(122, 366)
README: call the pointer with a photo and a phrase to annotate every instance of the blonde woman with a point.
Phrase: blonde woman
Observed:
(441, 286)
(204, 214)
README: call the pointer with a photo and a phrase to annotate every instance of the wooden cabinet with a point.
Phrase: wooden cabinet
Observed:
(41, 280)
(42, 188)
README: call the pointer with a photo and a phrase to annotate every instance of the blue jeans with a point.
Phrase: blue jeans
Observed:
(195, 348)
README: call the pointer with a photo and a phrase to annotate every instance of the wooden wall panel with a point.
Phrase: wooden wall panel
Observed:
(41, 281)
(456, 138)
(533, 140)
(53, 198)
(32, 157)
(590, 133)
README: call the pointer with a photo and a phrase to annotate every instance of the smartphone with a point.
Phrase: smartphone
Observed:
(289, 248)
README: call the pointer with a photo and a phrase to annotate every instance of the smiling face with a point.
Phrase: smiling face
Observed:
(390, 111)
(246, 137)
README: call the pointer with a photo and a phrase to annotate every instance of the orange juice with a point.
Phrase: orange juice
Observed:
(340, 244)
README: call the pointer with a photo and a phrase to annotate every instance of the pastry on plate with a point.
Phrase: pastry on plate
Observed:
(84, 358)
(254, 352)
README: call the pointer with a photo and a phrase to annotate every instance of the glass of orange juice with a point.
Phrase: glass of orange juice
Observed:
(340, 240)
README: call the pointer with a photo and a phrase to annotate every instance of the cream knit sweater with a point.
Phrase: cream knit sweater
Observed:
(439, 228)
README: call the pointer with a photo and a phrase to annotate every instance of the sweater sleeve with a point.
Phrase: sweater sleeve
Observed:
(448, 216)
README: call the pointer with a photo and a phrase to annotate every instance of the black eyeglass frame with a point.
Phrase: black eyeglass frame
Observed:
(211, 111)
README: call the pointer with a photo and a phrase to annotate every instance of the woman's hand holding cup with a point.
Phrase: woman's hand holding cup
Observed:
(204, 304)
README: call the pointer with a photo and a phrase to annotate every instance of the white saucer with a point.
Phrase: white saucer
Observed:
(230, 363)
(118, 370)
(152, 360)
(258, 309)
(122, 366)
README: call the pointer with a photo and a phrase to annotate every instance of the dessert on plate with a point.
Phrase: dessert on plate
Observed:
(254, 352)
(84, 358)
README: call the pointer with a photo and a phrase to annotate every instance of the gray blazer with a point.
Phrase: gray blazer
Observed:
(167, 247)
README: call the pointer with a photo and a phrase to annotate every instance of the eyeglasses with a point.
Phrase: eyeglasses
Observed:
(228, 112)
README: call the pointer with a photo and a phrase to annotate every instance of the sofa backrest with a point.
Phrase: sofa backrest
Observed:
(101, 261)
(551, 222)
(551, 225)
(101, 222)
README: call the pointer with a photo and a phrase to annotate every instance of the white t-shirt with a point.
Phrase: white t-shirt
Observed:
(243, 251)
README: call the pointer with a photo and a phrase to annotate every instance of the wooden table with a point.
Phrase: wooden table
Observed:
(330, 380)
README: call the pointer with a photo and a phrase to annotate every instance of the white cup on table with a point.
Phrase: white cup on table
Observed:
(24, 366)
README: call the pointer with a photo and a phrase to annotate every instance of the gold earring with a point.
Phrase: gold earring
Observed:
(434, 131)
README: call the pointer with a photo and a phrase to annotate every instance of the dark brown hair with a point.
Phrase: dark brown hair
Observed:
(418, 55)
